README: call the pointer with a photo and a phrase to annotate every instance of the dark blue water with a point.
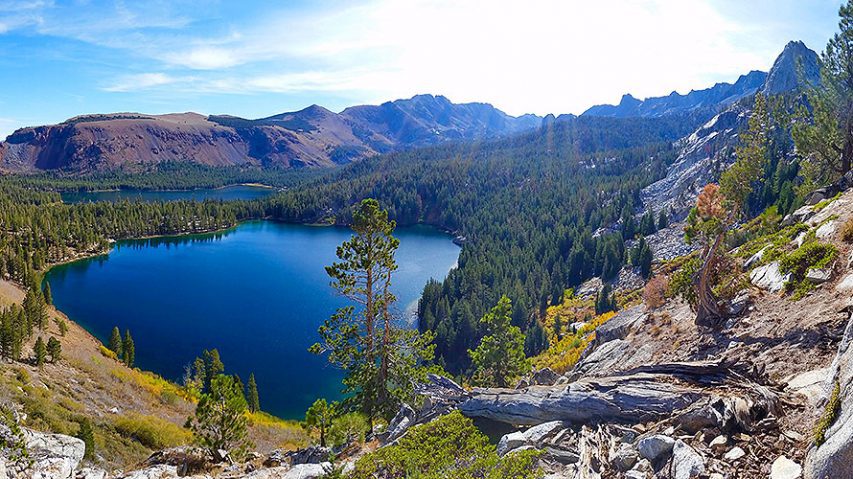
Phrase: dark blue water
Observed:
(235, 192)
(257, 293)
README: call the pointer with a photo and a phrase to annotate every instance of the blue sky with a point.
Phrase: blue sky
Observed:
(59, 59)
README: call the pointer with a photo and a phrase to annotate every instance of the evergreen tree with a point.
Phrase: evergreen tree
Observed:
(87, 435)
(319, 417)
(213, 366)
(116, 342)
(252, 396)
(663, 221)
(240, 385)
(40, 351)
(499, 358)
(220, 420)
(54, 349)
(604, 302)
(381, 360)
(62, 325)
(536, 340)
(826, 138)
(48, 295)
(128, 349)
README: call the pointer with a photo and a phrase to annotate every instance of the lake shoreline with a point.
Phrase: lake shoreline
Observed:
(276, 285)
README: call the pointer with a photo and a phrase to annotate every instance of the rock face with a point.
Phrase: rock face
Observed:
(55, 456)
(834, 458)
(313, 137)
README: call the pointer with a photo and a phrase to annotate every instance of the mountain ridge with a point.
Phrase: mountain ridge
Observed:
(311, 137)
(796, 66)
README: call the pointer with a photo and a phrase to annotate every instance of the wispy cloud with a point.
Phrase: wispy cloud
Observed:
(143, 81)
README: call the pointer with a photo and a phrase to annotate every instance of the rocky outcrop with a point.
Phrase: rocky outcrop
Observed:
(834, 458)
(50, 456)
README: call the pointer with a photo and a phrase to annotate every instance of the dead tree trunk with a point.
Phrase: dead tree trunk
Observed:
(709, 313)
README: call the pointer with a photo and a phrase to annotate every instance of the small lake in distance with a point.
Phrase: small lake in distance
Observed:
(257, 293)
(226, 193)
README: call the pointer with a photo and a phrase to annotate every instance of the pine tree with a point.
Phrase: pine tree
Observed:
(220, 418)
(240, 385)
(825, 136)
(40, 351)
(499, 358)
(663, 221)
(213, 366)
(604, 302)
(87, 435)
(48, 295)
(381, 360)
(54, 349)
(252, 396)
(319, 417)
(116, 342)
(129, 349)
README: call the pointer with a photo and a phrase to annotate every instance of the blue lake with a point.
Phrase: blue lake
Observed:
(226, 193)
(257, 293)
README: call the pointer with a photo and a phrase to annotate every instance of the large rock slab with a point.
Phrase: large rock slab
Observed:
(55, 456)
(635, 398)
(768, 277)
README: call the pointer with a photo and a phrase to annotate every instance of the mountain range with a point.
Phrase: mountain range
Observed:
(318, 137)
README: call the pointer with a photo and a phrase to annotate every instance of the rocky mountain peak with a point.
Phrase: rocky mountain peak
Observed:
(796, 67)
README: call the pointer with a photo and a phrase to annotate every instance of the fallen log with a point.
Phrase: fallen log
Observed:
(702, 392)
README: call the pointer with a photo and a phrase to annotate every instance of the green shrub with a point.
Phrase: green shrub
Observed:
(830, 413)
(808, 256)
(151, 431)
(798, 262)
(346, 428)
(448, 447)
(681, 281)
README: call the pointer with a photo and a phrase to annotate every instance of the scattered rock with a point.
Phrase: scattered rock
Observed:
(739, 303)
(624, 458)
(310, 455)
(522, 383)
(545, 377)
(784, 468)
(819, 275)
(799, 216)
(686, 462)
(800, 239)
(755, 259)
(846, 284)
(54, 456)
(718, 444)
(657, 447)
(535, 436)
(734, 454)
(769, 277)
(405, 418)
(825, 230)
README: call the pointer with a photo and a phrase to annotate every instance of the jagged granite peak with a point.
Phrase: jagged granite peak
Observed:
(708, 101)
(311, 137)
(795, 68)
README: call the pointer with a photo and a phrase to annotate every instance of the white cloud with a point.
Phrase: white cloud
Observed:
(142, 81)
